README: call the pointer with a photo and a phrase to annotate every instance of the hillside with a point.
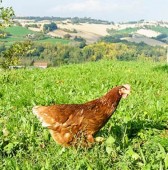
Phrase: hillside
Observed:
(92, 32)
(135, 137)
(19, 33)
(146, 40)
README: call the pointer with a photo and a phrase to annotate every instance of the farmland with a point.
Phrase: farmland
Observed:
(135, 137)
(18, 34)
(90, 32)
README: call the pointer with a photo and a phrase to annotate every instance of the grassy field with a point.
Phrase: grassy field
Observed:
(19, 33)
(125, 31)
(53, 41)
(136, 137)
(163, 30)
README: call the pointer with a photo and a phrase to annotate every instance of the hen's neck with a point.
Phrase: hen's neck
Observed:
(112, 97)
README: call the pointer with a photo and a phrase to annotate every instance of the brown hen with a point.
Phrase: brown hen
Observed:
(73, 124)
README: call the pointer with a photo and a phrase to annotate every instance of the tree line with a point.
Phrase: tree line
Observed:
(72, 19)
(26, 53)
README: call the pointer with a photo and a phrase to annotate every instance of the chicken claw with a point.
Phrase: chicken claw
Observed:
(99, 139)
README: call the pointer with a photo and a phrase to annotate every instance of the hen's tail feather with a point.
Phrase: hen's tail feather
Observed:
(43, 116)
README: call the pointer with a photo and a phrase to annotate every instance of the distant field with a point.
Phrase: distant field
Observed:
(90, 32)
(163, 30)
(53, 41)
(124, 31)
(149, 41)
(19, 33)
(99, 29)
(148, 33)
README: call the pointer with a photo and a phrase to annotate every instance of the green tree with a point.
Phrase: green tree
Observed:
(11, 56)
(6, 15)
(2, 48)
(49, 27)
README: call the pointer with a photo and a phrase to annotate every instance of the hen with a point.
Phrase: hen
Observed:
(71, 124)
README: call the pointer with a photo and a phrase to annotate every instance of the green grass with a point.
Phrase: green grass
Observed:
(53, 41)
(163, 30)
(124, 31)
(127, 30)
(135, 137)
(19, 33)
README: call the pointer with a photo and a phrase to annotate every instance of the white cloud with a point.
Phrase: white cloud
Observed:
(83, 6)
(100, 9)
(93, 6)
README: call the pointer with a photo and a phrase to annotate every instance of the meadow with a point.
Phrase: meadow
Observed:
(136, 136)
(18, 34)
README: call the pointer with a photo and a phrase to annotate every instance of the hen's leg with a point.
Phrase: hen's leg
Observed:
(90, 139)
(61, 138)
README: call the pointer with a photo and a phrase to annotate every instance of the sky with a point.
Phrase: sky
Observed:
(109, 10)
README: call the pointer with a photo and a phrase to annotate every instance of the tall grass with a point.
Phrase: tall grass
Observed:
(135, 137)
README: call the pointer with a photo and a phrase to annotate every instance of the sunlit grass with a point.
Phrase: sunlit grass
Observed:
(135, 137)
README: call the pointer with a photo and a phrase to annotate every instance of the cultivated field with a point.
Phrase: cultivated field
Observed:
(93, 32)
(148, 33)
(18, 34)
(135, 137)
(149, 41)
(90, 32)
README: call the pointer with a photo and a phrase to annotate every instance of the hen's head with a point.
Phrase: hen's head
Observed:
(124, 91)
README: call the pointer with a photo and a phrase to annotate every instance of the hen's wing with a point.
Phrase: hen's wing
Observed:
(63, 120)
(58, 115)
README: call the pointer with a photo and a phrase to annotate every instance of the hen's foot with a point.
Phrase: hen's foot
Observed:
(99, 139)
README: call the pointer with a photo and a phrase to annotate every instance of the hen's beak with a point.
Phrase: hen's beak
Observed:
(127, 92)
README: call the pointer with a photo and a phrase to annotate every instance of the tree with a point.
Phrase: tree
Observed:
(67, 36)
(2, 48)
(6, 15)
(49, 27)
(12, 55)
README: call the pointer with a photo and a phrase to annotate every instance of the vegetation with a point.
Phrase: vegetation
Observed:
(117, 35)
(49, 27)
(12, 55)
(123, 32)
(67, 54)
(135, 137)
(74, 19)
(32, 25)
(6, 15)
(163, 30)
(60, 54)
(18, 33)
(58, 51)
(69, 30)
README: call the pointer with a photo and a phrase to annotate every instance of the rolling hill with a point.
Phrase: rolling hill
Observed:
(19, 33)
